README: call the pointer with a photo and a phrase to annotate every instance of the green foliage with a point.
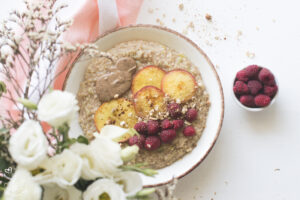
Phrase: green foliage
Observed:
(82, 184)
(139, 168)
(64, 142)
(2, 88)
(28, 104)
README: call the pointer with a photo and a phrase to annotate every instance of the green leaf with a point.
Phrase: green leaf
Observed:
(145, 171)
(3, 164)
(2, 88)
(4, 130)
(83, 140)
(82, 184)
(28, 104)
(68, 143)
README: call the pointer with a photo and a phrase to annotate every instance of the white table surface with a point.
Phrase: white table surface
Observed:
(257, 156)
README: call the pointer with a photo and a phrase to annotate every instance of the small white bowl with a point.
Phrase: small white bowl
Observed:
(253, 109)
(210, 78)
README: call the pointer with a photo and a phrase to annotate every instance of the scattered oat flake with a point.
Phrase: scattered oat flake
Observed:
(174, 20)
(150, 10)
(250, 55)
(164, 15)
(257, 28)
(277, 169)
(160, 22)
(239, 34)
(208, 17)
(181, 6)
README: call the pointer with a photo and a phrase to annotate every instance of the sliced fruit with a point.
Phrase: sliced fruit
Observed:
(119, 112)
(179, 84)
(148, 76)
(149, 101)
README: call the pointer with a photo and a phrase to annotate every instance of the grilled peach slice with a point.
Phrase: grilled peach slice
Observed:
(179, 84)
(148, 76)
(119, 112)
(149, 101)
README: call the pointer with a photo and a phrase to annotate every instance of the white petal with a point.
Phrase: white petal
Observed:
(131, 181)
(63, 169)
(129, 153)
(101, 186)
(112, 132)
(22, 186)
(90, 169)
(53, 192)
(57, 107)
(108, 155)
(28, 145)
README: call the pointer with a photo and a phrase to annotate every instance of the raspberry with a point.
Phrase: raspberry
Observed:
(252, 71)
(167, 136)
(152, 127)
(247, 100)
(240, 88)
(189, 131)
(166, 124)
(254, 87)
(152, 143)
(270, 90)
(141, 127)
(191, 115)
(138, 140)
(174, 110)
(262, 100)
(242, 76)
(266, 77)
(178, 124)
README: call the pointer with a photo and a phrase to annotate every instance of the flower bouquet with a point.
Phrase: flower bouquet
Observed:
(38, 158)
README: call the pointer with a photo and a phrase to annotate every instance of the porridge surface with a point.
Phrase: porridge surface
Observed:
(145, 53)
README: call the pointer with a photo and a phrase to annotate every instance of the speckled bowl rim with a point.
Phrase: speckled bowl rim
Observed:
(210, 64)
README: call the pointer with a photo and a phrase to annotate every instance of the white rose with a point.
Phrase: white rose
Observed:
(104, 189)
(28, 145)
(22, 186)
(113, 132)
(101, 158)
(52, 192)
(57, 107)
(131, 181)
(63, 169)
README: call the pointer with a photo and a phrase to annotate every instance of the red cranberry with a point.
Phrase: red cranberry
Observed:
(191, 114)
(141, 127)
(152, 127)
(138, 140)
(167, 136)
(152, 143)
(178, 124)
(174, 110)
(189, 131)
(166, 124)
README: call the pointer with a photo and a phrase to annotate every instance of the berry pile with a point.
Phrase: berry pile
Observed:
(152, 133)
(255, 86)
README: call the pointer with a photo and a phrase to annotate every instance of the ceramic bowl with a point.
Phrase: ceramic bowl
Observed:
(210, 77)
(249, 108)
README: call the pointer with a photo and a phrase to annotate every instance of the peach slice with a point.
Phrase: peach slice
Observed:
(149, 101)
(148, 76)
(179, 84)
(119, 112)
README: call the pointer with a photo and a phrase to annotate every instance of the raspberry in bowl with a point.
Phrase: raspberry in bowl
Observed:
(255, 88)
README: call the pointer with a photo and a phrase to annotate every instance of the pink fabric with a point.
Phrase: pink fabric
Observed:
(86, 28)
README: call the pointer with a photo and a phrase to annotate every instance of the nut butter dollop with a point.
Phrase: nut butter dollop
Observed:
(117, 81)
